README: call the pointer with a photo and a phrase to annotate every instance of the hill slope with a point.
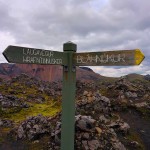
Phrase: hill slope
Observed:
(42, 72)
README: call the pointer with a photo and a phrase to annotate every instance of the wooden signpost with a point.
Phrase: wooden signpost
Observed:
(69, 59)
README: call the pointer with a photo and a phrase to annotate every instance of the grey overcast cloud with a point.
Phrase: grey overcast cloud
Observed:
(94, 25)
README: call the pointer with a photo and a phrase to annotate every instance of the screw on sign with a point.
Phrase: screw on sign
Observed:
(70, 59)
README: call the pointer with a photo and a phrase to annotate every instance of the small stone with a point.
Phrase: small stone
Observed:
(142, 104)
(86, 136)
(90, 99)
(36, 141)
(20, 132)
(124, 127)
(118, 146)
(131, 94)
(135, 144)
(28, 126)
(99, 130)
(85, 145)
(89, 94)
(36, 127)
(123, 101)
(85, 93)
(142, 131)
(105, 99)
(93, 144)
(103, 119)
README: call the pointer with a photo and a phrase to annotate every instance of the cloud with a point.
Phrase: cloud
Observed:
(94, 25)
(113, 72)
(5, 38)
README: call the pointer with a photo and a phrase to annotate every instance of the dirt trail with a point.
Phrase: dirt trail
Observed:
(139, 125)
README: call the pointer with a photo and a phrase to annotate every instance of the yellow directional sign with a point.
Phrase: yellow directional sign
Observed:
(139, 57)
(109, 58)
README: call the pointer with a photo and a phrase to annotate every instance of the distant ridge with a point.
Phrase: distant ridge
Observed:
(86, 68)
(147, 77)
(43, 72)
(53, 73)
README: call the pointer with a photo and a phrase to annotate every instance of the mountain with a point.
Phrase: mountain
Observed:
(147, 77)
(134, 76)
(43, 72)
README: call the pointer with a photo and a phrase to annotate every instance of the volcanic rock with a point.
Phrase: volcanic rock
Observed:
(6, 123)
(33, 128)
(10, 101)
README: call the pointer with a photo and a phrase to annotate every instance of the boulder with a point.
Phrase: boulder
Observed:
(93, 144)
(124, 127)
(6, 123)
(142, 104)
(121, 126)
(131, 94)
(33, 127)
(85, 123)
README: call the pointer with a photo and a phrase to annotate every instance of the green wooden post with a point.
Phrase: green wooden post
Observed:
(68, 98)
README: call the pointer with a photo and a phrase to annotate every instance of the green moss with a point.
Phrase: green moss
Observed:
(103, 92)
(28, 94)
(45, 109)
(108, 92)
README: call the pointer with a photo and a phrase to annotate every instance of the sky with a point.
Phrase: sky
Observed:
(94, 25)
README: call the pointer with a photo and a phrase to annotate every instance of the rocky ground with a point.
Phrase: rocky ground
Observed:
(109, 114)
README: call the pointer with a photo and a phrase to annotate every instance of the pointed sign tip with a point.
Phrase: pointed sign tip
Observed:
(139, 57)
(5, 53)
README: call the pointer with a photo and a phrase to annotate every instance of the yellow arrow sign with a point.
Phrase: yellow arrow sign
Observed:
(139, 56)
(109, 58)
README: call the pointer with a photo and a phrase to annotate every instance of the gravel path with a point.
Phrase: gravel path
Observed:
(139, 124)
